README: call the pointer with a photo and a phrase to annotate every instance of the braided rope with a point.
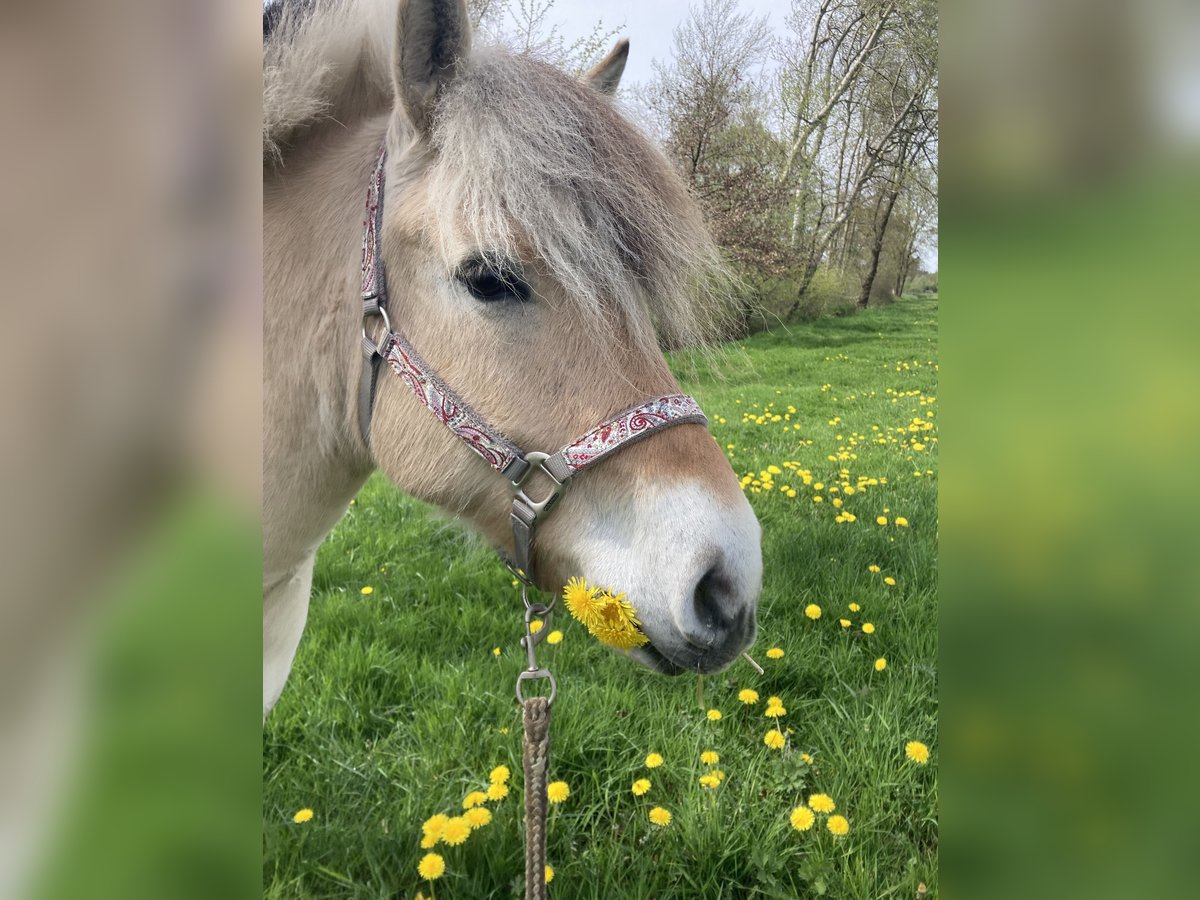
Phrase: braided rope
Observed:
(536, 760)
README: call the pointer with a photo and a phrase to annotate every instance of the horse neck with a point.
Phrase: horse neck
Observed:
(314, 457)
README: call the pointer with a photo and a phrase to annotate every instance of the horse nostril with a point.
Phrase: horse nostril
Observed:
(711, 621)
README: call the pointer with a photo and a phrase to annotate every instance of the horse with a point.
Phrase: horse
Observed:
(540, 252)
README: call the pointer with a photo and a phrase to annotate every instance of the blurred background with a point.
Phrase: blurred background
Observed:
(131, 323)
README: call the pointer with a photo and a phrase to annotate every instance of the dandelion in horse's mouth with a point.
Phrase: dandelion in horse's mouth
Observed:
(813, 611)
(431, 866)
(473, 799)
(837, 825)
(554, 637)
(582, 601)
(654, 760)
(917, 752)
(880, 664)
(499, 775)
(774, 740)
(748, 696)
(367, 590)
(497, 791)
(868, 628)
(714, 715)
(802, 818)
(640, 787)
(710, 757)
(478, 816)
(821, 803)
(607, 615)
(660, 817)
(557, 791)
(775, 653)
(456, 831)
(302, 816)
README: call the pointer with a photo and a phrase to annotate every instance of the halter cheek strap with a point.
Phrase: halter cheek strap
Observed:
(502, 454)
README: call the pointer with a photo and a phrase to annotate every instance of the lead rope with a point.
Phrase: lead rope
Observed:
(535, 745)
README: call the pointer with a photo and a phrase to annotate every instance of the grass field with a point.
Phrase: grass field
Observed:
(398, 707)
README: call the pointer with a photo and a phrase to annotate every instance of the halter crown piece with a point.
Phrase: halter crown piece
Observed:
(489, 443)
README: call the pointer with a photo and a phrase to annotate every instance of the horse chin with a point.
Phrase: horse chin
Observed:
(650, 657)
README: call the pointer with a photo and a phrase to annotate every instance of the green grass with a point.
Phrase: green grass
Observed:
(397, 708)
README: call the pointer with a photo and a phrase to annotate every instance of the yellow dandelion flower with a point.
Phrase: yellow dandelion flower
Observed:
(806, 758)
(890, 581)
(710, 757)
(660, 817)
(456, 831)
(813, 611)
(495, 651)
(499, 775)
(873, 568)
(837, 825)
(901, 521)
(618, 624)
(432, 827)
(302, 816)
(775, 653)
(868, 628)
(431, 866)
(748, 696)
(497, 791)
(821, 803)
(774, 701)
(504, 729)
(653, 760)
(428, 841)
(582, 601)
(549, 873)
(854, 607)
(880, 664)
(775, 712)
(478, 816)
(554, 637)
(367, 591)
(557, 791)
(845, 623)
(714, 715)
(917, 752)
(640, 787)
(473, 799)
(536, 625)
(881, 520)
(774, 740)
(802, 818)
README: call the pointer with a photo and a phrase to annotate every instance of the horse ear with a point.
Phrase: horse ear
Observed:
(606, 74)
(432, 36)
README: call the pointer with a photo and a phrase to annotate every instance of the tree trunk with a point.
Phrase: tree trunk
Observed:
(864, 296)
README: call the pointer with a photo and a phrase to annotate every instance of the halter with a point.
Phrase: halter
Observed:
(515, 464)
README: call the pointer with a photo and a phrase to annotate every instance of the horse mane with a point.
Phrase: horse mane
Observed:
(529, 160)
(323, 60)
(530, 157)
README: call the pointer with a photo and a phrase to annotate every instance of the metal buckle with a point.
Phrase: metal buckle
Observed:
(381, 311)
(536, 463)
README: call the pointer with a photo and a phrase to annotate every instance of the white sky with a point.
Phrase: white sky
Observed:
(648, 24)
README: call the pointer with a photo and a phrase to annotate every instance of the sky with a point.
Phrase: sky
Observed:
(648, 24)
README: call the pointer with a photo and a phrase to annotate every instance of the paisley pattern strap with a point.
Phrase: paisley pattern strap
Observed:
(630, 426)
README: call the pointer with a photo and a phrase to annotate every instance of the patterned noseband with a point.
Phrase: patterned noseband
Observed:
(472, 429)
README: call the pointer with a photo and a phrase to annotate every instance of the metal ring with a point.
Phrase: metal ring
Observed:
(534, 674)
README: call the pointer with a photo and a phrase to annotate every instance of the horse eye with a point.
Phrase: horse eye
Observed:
(492, 280)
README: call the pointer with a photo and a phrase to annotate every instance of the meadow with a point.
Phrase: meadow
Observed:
(401, 700)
